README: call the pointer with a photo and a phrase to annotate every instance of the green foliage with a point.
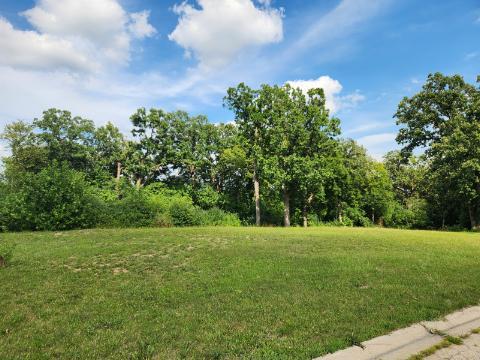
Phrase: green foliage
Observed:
(6, 252)
(14, 213)
(132, 210)
(444, 119)
(356, 217)
(57, 198)
(217, 217)
(163, 220)
(282, 158)
(184, 214)
(206, 197)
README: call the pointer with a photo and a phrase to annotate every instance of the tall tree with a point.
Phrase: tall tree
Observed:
(444, 118)
(242, 100)
(110, 150)
(67, 139)
(299, 140)
(152, 151)
(194, 146)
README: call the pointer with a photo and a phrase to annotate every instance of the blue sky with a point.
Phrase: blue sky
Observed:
(102, 59)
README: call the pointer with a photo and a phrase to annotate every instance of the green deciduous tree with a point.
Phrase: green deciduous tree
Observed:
(242, 100)
(152, 151)
(444, 119)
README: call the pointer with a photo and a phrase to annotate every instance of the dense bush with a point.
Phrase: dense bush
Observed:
(132, 210)
(355, 217)
(206, 197)
(14, 214)
(217, 217)
(56, 198)
(413, 216)
(162, 198)
(163, 220)
(184, 214)
(60, 198)
(6, 252)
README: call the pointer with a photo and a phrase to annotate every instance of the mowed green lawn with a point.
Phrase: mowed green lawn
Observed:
(226, 293)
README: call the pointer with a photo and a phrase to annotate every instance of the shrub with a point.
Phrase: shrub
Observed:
(356, 217)
(206, 197)
(218, 217)
(313, 220)
(14, 214)
(161, 198)
(184, 214)
(415, 216)
(6, 253)
(59, 198)
(133, 210)
(163, 220)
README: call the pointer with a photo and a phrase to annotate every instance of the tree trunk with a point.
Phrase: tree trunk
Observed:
(286, 207)
(138, 183)
(2, 262)
(193, 176)
(119, 171)
(373, 216)
(305, 210)
(117, 177)
(472, 212)
(304, 216)
(256, 191)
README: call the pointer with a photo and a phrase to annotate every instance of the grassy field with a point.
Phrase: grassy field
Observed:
(228, 293)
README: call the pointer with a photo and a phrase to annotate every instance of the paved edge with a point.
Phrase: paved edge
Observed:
(404, 343)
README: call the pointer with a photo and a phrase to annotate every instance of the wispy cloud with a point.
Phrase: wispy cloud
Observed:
(366, 127)
(378, 144)
(341, 21)
(472, 55)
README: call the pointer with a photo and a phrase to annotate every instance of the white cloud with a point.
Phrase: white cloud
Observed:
(472, 55)
(79, 35)
(377, 139)
(29, 49)
(220, 29)
(343, 19)
(362, 128)
(139, 26)
(378, 144)
(31, 92)
(332, 89)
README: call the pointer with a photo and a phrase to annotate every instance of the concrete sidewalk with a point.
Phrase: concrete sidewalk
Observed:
(405, 343)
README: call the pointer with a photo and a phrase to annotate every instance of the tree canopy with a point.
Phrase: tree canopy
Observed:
(282, 161)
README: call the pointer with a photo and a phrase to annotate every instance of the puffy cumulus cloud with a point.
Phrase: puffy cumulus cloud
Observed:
(78, 35)
(219, 29)
(139, 26)
(332, 89)
(29, 49)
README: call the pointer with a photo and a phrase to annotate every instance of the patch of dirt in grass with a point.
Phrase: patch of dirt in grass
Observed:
(118, 271)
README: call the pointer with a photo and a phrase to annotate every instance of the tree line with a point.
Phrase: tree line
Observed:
(281, 162)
